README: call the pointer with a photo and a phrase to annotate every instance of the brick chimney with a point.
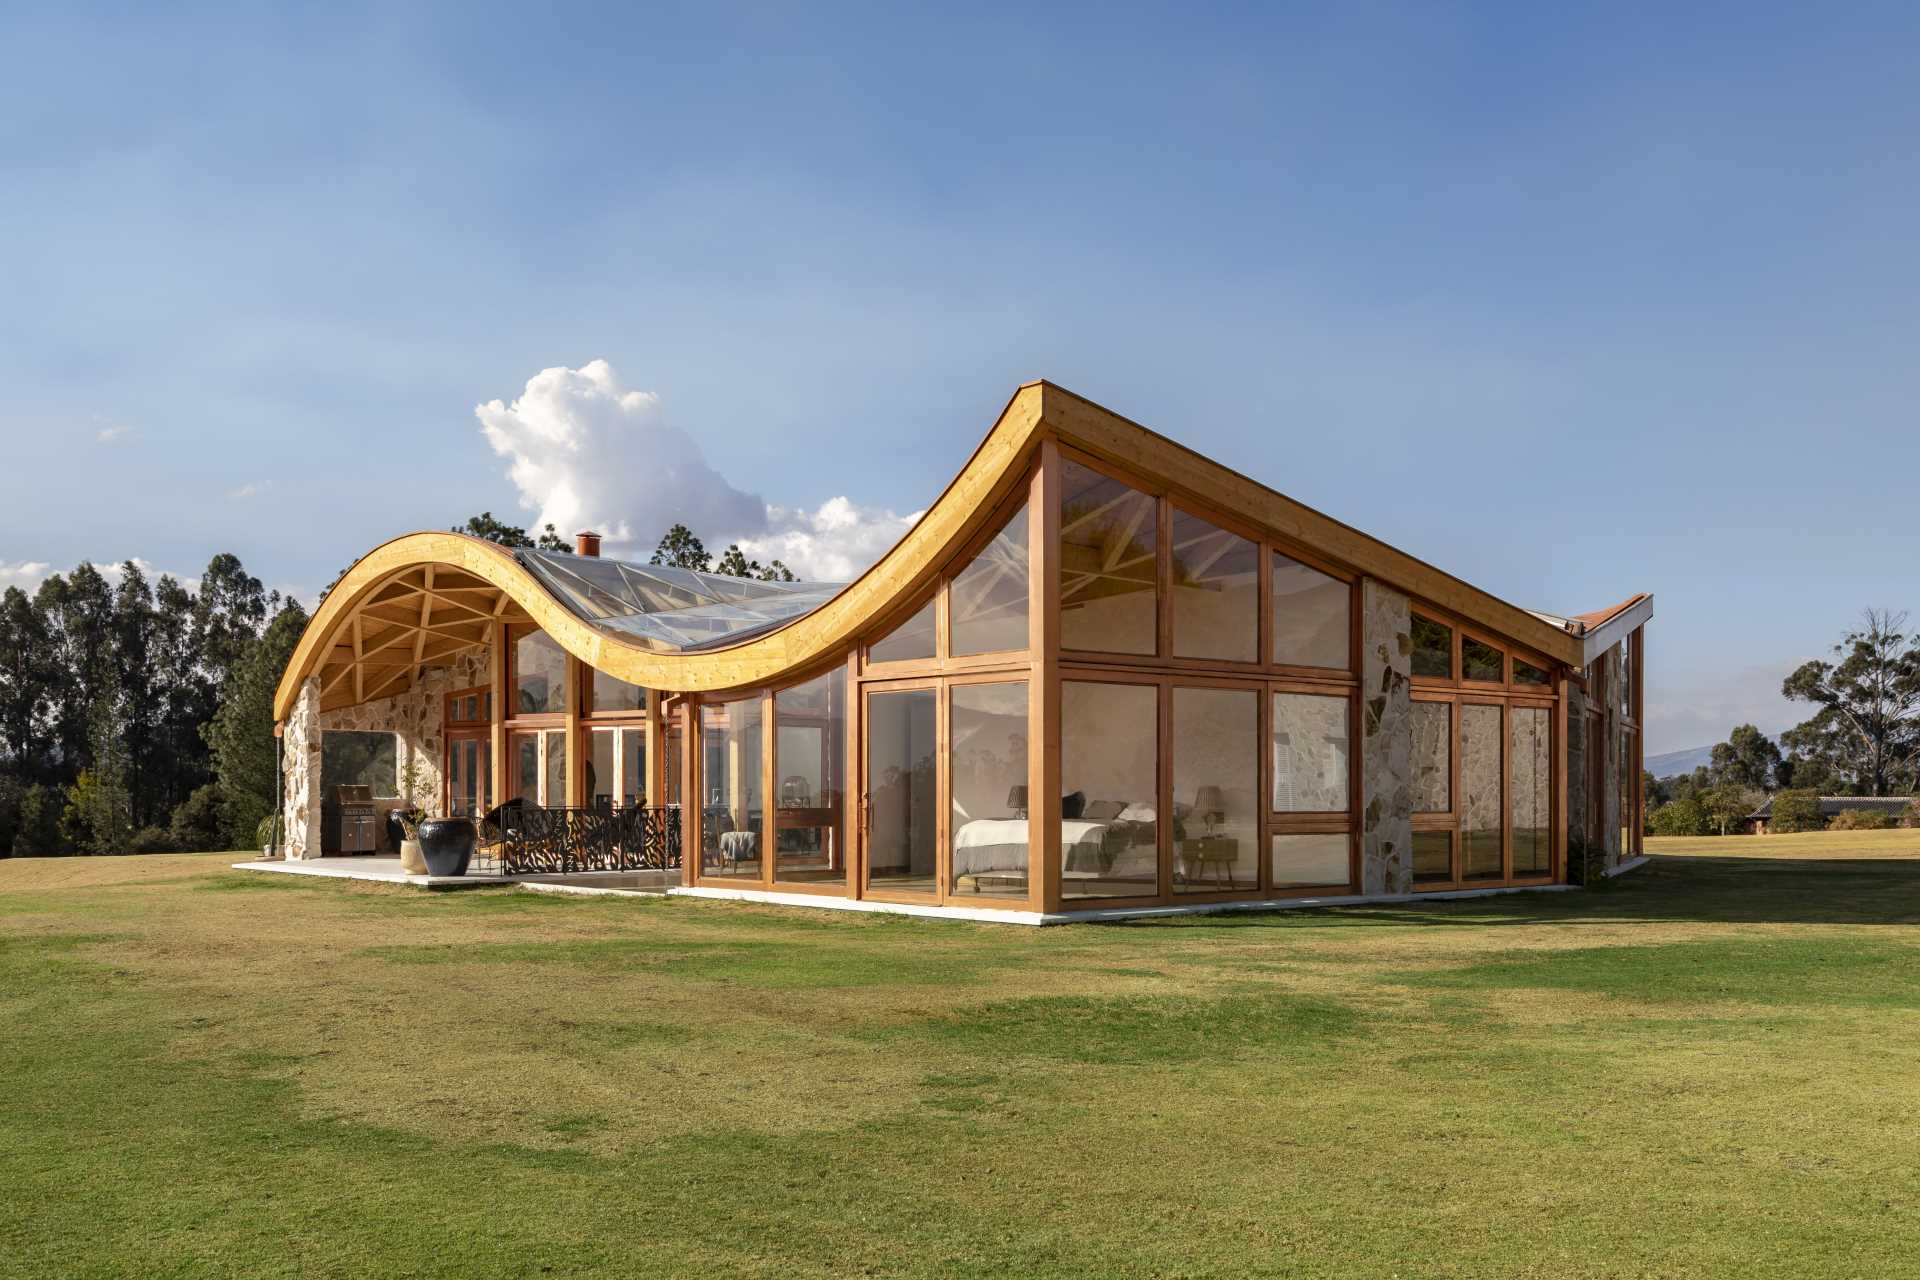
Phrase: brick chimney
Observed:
(586, 544)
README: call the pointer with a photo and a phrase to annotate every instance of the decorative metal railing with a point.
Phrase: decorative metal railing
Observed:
(533, 840)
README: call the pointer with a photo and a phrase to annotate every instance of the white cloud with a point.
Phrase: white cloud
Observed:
(586, 452)
(252, 489)
(25, 574)
(109, 434)
(29, 574)
(830, 544)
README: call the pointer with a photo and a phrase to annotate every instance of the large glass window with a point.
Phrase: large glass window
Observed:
(1216, 760)
(1312, 623)
(1481, 802)
(1432, 857)
(1309, 753)
(633, 767)
(1109, 564)
(989, 597)
(730, 782)
(1432, 648)
(1530, 766)
(988, 784)
(1318, 860)
(602, 777)
(902, 829)
(526, 767)
(539, 675)
(1525, 672)
(1216, 591)
(1480, 661)
(1110, 777)
(611, 696)
(554, 796)
(911, 641)
(809, 768)
(1432, 757)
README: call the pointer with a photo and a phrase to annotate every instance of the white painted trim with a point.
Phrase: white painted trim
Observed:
(1627, 866)
(1614, 630)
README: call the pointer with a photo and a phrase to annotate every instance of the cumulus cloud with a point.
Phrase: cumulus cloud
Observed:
(587, 452)
(252, 489)
(832, 543)
(112, 432)
(25, 574)
(29, 574)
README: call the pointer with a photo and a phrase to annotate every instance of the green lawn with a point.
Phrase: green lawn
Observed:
(1711, 1066)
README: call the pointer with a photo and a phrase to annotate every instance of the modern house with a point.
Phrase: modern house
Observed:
(1831, 807)
(1101, 673)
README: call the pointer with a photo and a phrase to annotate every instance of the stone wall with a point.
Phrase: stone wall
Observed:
(300, 773)
(1577, 769)
(1386, 718)
(1610, 798)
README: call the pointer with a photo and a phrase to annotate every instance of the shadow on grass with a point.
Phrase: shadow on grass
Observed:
(1703, 890)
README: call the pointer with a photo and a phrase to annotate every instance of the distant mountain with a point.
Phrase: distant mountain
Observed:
(1673, 764)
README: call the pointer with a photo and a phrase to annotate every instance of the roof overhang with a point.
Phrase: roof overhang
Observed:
(1622, 624)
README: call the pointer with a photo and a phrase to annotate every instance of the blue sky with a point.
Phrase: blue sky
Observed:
(1570, 304)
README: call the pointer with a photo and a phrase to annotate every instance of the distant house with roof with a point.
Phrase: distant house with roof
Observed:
(1832, 807)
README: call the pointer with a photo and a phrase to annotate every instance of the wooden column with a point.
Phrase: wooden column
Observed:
(1043, 689)
(654, 785)
(497, 736)
(691, 808)
(1562, 765)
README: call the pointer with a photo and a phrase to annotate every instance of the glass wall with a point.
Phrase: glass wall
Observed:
(911, 641)
(1432, 648)
(1110, 780)
(1109, 564)
(1310, 764)
(1432, 857)
(730, 823)
(539, 675)
(988, 598)
(1312, 616)
(1482, 804)
(1431, 757)
(1481, 661)
(988, 786)
(902, 822)
(1216, 814)
(809, 768)
(1312, 859)
(1530, 770)
(603, 777)
(633, 766)
(554, 768)
(616, 696)
(1216, 591)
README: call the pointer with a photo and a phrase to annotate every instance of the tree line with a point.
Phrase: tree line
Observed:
(137, 716)
(1863, 739)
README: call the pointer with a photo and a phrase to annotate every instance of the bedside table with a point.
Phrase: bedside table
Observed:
(1210, 854)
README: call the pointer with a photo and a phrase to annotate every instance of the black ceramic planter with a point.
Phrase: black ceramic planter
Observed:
(447, 845)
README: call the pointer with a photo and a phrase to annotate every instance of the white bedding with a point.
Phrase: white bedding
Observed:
(1000, 844)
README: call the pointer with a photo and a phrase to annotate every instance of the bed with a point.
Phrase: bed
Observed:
(1093, 836)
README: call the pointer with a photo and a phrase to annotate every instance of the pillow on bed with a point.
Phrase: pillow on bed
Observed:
(1074, 805)
(1103, 810)
(1137, 813)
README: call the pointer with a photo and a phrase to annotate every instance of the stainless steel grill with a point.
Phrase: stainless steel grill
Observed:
(350, 822)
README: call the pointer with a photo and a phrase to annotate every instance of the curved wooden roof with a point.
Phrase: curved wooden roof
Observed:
(421, 598)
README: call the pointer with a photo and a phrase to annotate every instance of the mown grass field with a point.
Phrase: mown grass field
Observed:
(1709, 1067)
